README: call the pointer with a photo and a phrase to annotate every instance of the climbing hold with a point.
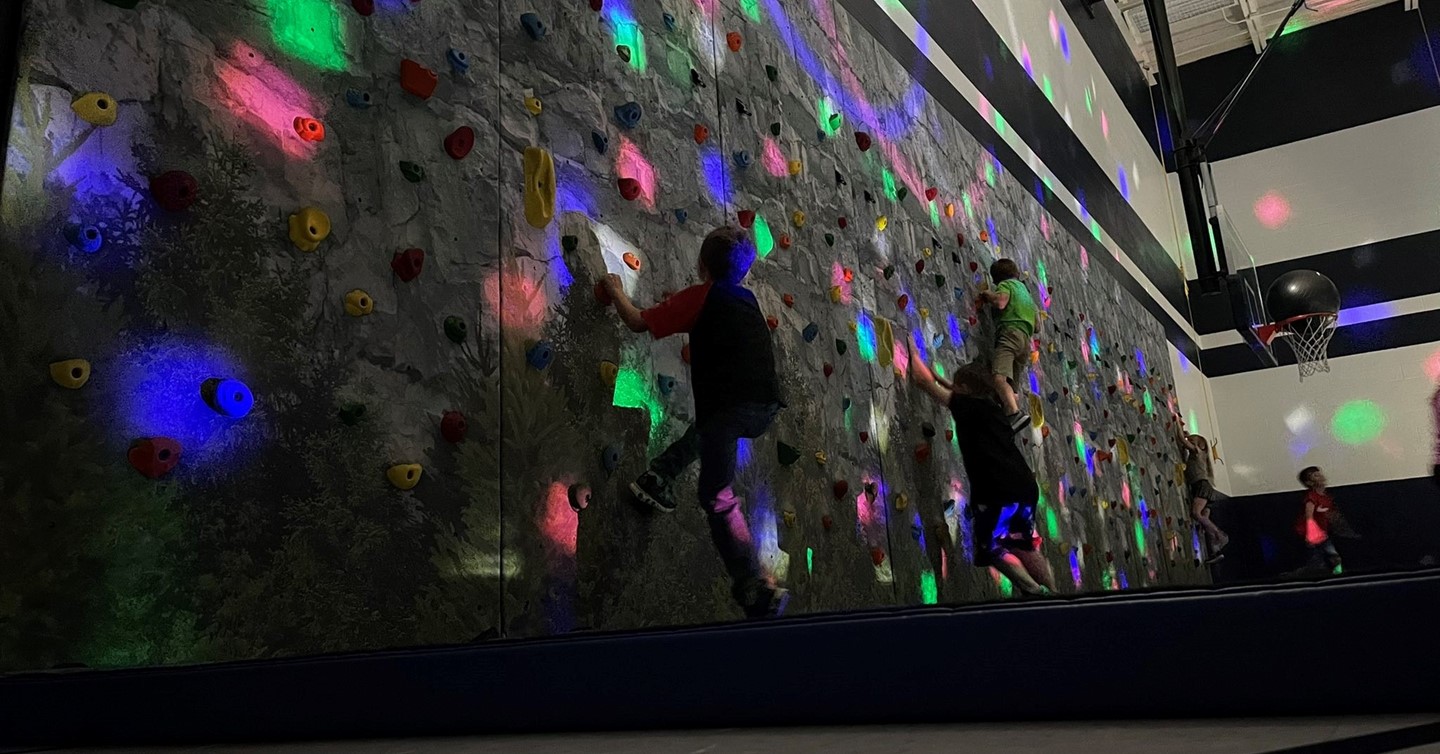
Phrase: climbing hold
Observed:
(665, 383)
(685, 353)
(901, 193)
(881, 223)
(459, 143)
(601, 142)
(843, 222)
(796, 167)
(747, 218)
(810, 333)
(453, 426)
(828, 369)
(702, 133)
(869, 198)
(927, 252)
(696, 79)
(788, 516)
(773, 322)
(540, 354)
(742, 158)
(357, 99)
(533, 105)
(628, 115)
(459, 61)
(939, 280)
(949, 210)
(309, 129)
(797, 218)
(925, 314)
(740, 108)
(785, 241)
(96, 108)
(413, 172)
(840, 181)
(927, 429)
(404, 476)
(623, 51)
(595, 5)
(734, 41)
(922, 452)
(154, 457)
(862, 140)
(827, 522)
(174, 190)
(631, 261)
(610, 457)
(840, 489)
(984, 236)
(845, 403)
(534, 27)
(877, 556)
(227, 397)
(669, 21)
(837, 294)
(86, 238)
(788, 300)
(888, 272)
(864, 437)
(417, 79)
(931, 193)
(70, 373)
(841, 346)
(902, 501)
(408, 264)
(350, 414)
(539, 187)
(455, 329)
(579, 496)
(772, 73)
(919, 266)
(949, 435)
(775, 128)
(903, 302)
(681, 216)
(609, 371)
(358, 304)
(629, 188)
(308, 228)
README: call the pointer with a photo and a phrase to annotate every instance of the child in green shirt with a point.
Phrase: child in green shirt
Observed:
(1014, 329)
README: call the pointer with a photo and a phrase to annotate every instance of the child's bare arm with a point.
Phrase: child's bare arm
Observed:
(1309, 511)
(925, 379)
(629, 313)
(998, 299)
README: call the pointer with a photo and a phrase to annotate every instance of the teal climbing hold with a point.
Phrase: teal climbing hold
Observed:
(628, 115)
(413, 172)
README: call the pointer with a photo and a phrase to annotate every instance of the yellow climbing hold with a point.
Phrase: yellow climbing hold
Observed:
(836, 294)
(881, 223)
(798, 219)
(820, 457)
(308, 228)
(70, 373)
(404, 475)
(609, 372)
(927, 251)
(902, 501)
(96, 108)
(924, 313)
(539, 187)
(796, 166)
(358, 303)
(1037, 412)
(1122, 451)
(884, 342)
(534, 105)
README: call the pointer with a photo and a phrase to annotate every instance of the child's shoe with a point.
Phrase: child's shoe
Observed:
(653, 491)
(1019, 421)
(772, 604)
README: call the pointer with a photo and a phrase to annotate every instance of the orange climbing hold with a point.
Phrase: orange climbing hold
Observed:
(631, 261)
(702, 133)
(949, 210)
(417, 79)
(309, 129)
(789, 301)
(734, 41)
(984, 236)
(773, 321)
(848, 274)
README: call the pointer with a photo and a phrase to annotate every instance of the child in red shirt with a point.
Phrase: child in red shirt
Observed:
(1317, 519)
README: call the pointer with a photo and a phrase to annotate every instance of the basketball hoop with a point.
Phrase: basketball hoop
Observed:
(1308, 336)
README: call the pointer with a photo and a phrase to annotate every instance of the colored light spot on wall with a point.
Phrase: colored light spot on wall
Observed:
(1089, 102)
(775, 163)
(1104, 124)
(160, 396)
(935, 214)
(716, 172)
(1007, 589)
(990, 173)
(1272, 210)
(764, 239)
(1358, 422)
(1001, 125)
(634, 388)
(266, 98)
(957, 336)
(825, 109)
(1432, 366)
(1095, 231)
(521, 302)
(1123, 179)
(743, 454)
(929, 592)
(1026, 62)
(1065, 44)
(311, 30)
(1094, 343)
(969, 205)
(865, 336)
(1125, 491)
(626, 31)
(1149, 404)
(1079, 440)
(809, 560)
(1075, 573)
(1047, 89)
(1052, 523)
(559, 524)
(630, 163)
(887, 181)
(751, 8)
(1139, 536)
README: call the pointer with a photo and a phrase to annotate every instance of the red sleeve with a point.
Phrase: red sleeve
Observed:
(678, 313)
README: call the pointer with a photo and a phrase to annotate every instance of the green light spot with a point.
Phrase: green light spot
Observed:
(1007, 590)
(1045, 87)
(751, 8)
(635, 390)
(929, 594)
(1095, 229)
(969, 207)
(1149, 403)
(1357, 422)
(764, 239)
(888, 178)
(1052, 524)
(1139, 536)
(1079, 444)
(632, 36)
(809, 560)
(311, 30)
(935, 214)
(939, 370)
(1000, 124)
(1089, 103)
(1040, 272)
(1045, 179)
(990, 173)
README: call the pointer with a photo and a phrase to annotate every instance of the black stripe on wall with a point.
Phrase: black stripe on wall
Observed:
(1380, 335)
(11, 18)
(888, 36)
(1376, 272)
(967, 37)
(1097, 26)
(1370, 66)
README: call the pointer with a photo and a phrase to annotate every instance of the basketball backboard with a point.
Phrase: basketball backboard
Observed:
(1247, 298)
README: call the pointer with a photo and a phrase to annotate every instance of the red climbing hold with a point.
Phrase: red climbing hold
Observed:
(877, 556)
(785, 241)
(827, 522)
(960, 240)
(602, 294)
(453, 426)
(685, 353)
(154, 457)
(417, 79)
(974, 266)
(931, 193)
(747, 218)
(789, 300)
(773, 322)
(919, 265)
(843, 222)
(848, 274)
(597, 5)
(949, 435)
(828, 369)
(363, 7)
(864, 437)
(840, 489)
(629, 188)
(733, 40)
(902, 303)
(702, 133)
(175, 190)
(310, 129)
(1109, 557)
(922, 452)
(862, 140)
(971, 319)
(407, 264)
(459, 143)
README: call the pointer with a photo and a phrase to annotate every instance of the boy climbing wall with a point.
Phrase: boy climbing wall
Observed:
(1003, 492)
(1014, 327)
(732, 366)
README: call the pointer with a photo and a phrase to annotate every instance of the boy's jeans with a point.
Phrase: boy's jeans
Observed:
(714, 442)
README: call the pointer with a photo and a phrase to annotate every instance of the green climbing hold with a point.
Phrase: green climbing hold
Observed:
(413, 173)
(352, 413)
(901, 193)
(889, 271)
(775, 128)
(830, 239)
(836, 120)
(772, 73)
(455, 329)
(786, 454)
(939, 281)
(841, 346)
(569, 244)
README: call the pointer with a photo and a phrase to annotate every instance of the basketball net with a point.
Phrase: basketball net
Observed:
(1308, 336)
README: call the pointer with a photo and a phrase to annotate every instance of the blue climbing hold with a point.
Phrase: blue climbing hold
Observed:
(534, 27)
(459, 61)
(610, 457)
(601, 141)
(845, 403)
(741, 158)
(628, 115)
(917, 531)
(540, 355)
(86, 238)
(669, 21)
(959, 294)
(681, 216)
(820, 134)
(357, 99)
(1053, 396)
(227, 397)
(666, 383)
(811, 332)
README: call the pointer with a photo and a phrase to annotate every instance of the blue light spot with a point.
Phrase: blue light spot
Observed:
(1034, 383)
(162, 397)
(990, 225)
(742, 452)
(1140, 361)
(989, 68)
(716, 170)
(1124, 179)
(921, 347)
(572, 192)
(1065, 44)
(1124, 582)
(957, 338)
(865, 335)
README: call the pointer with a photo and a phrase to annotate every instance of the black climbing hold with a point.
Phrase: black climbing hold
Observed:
(775, 128)
(786, 454)
(601, 142)
(927, 429)
(351, 413)
(901, 193)
(830, 239)
(772, 73)
(696, 79)
(841, 346)
(569, 243)
(889, 271)
(845, 403)
(455, 329)
(740, 107)
(840, 179)
(623, 51)
(939, 281)
(413, 172)
(869, 198)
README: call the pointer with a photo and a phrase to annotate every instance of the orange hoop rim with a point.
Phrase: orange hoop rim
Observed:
(1269, 332)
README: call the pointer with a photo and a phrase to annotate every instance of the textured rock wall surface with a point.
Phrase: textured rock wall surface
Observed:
(278, 533)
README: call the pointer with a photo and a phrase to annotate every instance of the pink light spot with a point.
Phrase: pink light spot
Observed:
(1105, 125)
(1045, 226)
(1084, 259)
(707, 7)
(265, 98)
(1432, 366)
(521, 302)
(1272, 210)
(1125, 492)
(1054, 29)
(630, 163)
(901, 358)
(774, 161)
(559, 523)
(837, 277)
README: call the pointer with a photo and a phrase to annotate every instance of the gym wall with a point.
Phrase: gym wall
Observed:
(151, 518)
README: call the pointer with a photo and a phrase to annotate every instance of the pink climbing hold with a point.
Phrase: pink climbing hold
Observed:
(629, 188)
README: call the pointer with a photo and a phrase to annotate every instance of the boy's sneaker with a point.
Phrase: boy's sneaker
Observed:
(1215, 557)
(772, 604)
(653, 491)
(1019, 421)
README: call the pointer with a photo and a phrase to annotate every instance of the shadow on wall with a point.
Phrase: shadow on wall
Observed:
(438, 422)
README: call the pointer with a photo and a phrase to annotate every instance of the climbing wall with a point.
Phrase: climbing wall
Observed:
(309, 358)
